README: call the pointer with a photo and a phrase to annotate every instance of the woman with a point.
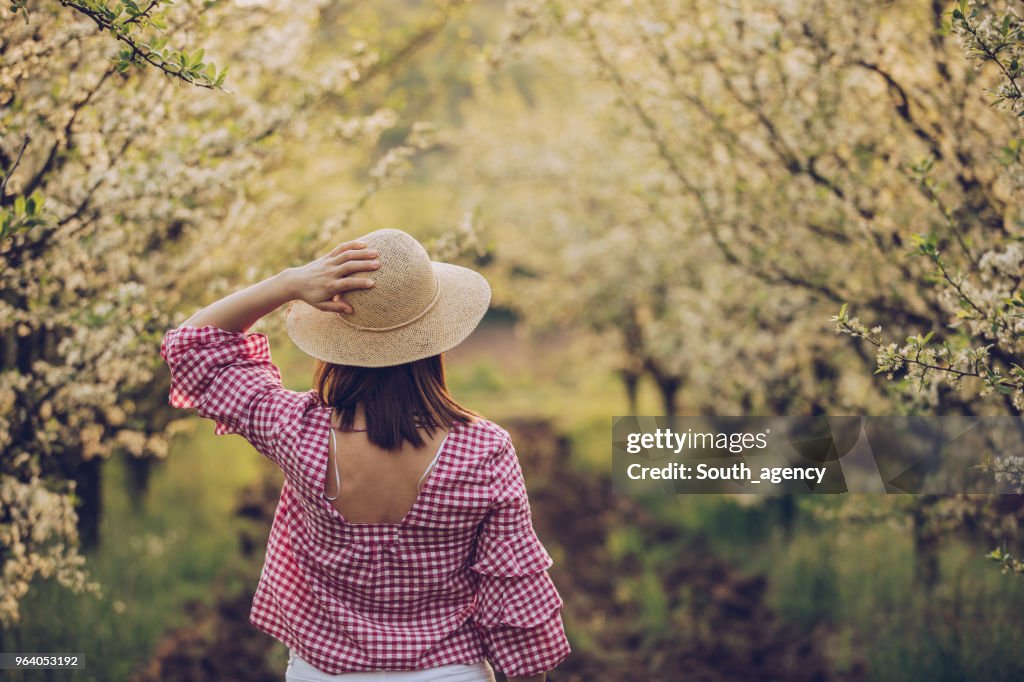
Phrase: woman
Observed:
(402, 547)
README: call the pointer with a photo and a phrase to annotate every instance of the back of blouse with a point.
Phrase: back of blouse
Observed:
(378, 485)
(461, 576)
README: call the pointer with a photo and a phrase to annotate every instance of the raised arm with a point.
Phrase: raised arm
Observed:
(320, 283)
(227, 375)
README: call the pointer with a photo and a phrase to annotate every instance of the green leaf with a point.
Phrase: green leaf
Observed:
(221, 76)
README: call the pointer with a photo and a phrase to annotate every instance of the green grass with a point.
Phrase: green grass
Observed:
(854, 584)
(153, 559)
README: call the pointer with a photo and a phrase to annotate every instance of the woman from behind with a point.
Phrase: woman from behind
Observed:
(402, 547)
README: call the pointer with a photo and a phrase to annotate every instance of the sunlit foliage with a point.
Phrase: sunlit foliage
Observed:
(124, 187)
(728, 175)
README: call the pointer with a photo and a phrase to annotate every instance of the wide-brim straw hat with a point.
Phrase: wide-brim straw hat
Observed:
(415, 309)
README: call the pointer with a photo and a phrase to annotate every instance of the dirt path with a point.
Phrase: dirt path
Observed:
(718, 625)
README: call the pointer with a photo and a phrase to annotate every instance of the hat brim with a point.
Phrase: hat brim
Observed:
(463, 298)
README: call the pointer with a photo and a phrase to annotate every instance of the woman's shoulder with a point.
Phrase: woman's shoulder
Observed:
(306, 413)
(486, 434)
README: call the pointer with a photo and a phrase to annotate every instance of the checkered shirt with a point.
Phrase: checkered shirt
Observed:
(461, 577)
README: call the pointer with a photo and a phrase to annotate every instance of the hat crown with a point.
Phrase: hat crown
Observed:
(405, 285)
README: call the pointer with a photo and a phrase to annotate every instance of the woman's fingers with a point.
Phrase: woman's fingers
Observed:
(353, 266)
(346, 246)
(335, 305)
(342, 264)
(349, 283)
(351, 255)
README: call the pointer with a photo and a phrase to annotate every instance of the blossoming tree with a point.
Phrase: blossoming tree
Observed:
(717, 180)
(136, 170)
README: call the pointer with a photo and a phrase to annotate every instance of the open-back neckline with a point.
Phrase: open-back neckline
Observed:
(337, 470)
(422, 493)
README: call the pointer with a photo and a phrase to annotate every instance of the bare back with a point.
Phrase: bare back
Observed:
(377, 485)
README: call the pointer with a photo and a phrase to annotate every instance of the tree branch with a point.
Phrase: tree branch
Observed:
(10, 171)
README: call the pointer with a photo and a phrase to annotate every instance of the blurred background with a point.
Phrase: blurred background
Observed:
(683, 206)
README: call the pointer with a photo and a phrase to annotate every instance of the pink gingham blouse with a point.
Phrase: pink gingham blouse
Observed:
(461, 577)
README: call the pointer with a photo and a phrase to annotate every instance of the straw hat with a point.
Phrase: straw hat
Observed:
(416, 308)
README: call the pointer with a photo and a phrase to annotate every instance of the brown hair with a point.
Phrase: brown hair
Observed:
(396, 400)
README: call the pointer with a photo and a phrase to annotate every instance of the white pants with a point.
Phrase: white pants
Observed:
(302, 671)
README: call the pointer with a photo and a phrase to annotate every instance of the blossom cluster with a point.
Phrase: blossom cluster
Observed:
(124, 191)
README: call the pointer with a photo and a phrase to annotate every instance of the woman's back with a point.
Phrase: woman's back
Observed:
(377, 485)
(459, 575)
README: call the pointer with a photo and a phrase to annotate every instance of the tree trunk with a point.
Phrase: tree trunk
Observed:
(669, 388)
(138, 470)
(9, 357)
(631, 380)
(786, 505)
(926, 555)
(89, 490)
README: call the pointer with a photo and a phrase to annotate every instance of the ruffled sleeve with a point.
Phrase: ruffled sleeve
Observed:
(518, 608)
(229, 377)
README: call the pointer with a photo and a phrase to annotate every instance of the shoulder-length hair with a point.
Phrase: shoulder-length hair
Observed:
(396, 400)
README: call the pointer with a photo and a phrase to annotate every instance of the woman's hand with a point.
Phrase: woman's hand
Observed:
(321, 283)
